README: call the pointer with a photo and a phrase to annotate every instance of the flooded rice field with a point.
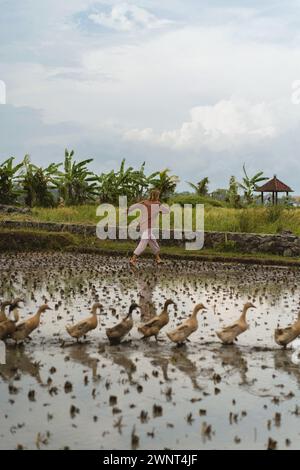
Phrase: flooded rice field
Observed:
(57, 394)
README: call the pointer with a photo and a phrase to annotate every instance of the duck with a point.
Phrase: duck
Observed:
(229, 334)
(3, 316)
(153, 326)
(84, 326)
(117, 333)
(180, 334)
(7, 328)
(284, 336)
(25, 328)
(14, 308)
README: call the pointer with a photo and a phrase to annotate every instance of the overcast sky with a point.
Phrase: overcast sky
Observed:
(197, 86)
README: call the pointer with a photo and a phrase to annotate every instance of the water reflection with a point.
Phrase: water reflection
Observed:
(18, 362)
(78, 353)
(233, 360)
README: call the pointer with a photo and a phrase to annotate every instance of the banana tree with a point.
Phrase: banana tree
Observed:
(200, 188)
(38, 183)
(124, 182)
(166, 183)
(9, 190)
(249, 184)
(76, 183)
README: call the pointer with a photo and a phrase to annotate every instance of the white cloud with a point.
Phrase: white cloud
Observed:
(227, 124)
(232, 68)
(127, 17)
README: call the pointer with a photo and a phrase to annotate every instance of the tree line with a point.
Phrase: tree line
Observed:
(71, 182)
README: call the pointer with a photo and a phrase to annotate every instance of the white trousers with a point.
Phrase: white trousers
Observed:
(147, 239)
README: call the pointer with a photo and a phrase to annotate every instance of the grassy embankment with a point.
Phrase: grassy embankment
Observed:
(222, 219)
(255, 220)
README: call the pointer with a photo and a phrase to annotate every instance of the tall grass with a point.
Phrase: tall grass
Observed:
(256, 220)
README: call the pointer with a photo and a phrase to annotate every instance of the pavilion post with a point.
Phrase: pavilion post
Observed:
(262, 198)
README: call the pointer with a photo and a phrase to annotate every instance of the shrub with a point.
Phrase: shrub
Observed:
(194, 199)
(27, 240)
(274, 213)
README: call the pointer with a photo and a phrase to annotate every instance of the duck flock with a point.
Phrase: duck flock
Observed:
(145, 393)
(12, 329)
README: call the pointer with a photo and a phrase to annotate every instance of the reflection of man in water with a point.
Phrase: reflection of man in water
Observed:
(145, 293)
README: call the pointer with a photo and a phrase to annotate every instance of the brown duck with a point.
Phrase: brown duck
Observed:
(229, 334)
(284, 336)
(8, 326)
(84, 326)
(3, 316)
(153, 326)
(14, 308)
(189, 326)
(117, 333)
(25, 328)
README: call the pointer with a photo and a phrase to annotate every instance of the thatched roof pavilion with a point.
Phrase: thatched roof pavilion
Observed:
(273, 186)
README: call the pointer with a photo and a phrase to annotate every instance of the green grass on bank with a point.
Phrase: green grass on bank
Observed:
(36, 240)
(255, 220)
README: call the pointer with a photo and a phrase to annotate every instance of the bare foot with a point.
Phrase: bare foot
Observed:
(133, 261)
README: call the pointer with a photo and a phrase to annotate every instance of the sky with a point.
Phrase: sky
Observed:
(198, 86)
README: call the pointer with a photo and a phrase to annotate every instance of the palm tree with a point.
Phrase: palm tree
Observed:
(9, 191)
(76, 184)
(201, 188)
(165, 183)
(250, 183)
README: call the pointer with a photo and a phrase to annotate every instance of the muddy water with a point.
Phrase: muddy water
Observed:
(149, 395)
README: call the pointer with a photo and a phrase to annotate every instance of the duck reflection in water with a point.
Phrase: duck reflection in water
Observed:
(178, 359)
(121, 357)
(19, 363)
(79, 354)
(235, 359)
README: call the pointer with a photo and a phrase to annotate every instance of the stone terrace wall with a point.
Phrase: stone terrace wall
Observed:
(284, 244)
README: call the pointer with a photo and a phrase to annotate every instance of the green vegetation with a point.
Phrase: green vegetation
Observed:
(69, 192)
(222, 219)
(8, 178)
(201, 188)
(250, 183)
(72, 183)
(195, 199)
(37, 183)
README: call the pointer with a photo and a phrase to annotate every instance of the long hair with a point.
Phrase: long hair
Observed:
(154, 195)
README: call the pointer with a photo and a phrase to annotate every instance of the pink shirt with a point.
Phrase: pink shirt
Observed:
(149, 213)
